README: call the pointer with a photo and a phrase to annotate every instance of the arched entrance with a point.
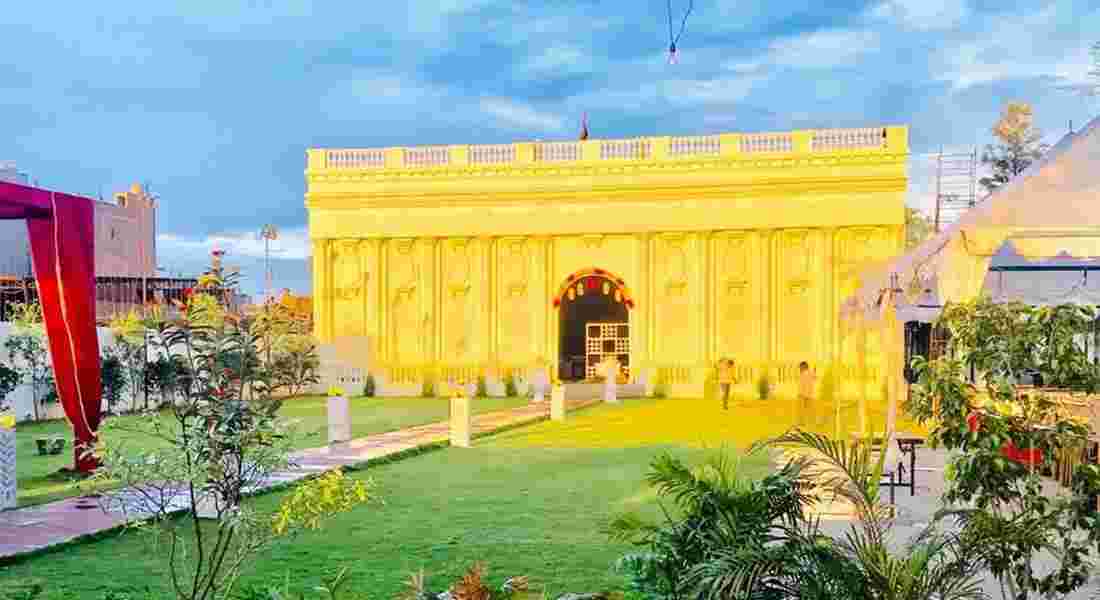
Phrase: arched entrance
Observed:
(593, 323)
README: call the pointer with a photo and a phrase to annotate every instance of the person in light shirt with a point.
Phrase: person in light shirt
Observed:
(807, 378)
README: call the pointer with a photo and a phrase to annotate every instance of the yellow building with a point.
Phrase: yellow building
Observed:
(453, 261)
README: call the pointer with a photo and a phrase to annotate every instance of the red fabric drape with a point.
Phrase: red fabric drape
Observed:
(66, 291)
(62, 237)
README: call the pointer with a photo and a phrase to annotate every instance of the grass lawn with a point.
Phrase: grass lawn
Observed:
(531, 501)
(40, 480)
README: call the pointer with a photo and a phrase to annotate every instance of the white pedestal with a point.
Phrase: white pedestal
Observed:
(7, 469)
(339, 420)
(557, 403)
(460, 422)
(610, 394)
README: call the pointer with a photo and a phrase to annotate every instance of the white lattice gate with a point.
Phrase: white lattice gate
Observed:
(602, 340)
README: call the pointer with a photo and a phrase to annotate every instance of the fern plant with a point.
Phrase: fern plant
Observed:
(369, 386)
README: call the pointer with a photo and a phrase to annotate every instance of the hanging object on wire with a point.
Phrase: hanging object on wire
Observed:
(673, 35)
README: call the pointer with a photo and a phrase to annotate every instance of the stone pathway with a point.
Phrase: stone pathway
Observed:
(36, 528)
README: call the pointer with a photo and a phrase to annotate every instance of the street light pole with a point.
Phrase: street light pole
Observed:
(268, 233)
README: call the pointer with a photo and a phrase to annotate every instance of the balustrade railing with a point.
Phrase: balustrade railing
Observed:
(848, 139)
(557, 151)
(625, 149)
(374, 158)
(656, 148)
(752, 143)
(428, 156)
(696, 145)
(495, 154)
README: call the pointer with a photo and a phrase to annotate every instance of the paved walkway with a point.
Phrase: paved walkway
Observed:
(36, 528)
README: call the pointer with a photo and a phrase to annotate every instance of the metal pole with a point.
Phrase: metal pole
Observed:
(939, 195)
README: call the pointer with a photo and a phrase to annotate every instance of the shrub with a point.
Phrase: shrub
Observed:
(427, 389)
(369, 386)
(764, 387)
(9, 380)
(510, 386)
(112, 378)
(660, 387)
(482, 388)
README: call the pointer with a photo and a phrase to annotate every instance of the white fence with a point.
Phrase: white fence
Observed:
(20, 400)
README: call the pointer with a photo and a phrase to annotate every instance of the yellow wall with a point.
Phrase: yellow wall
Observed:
(732, 245)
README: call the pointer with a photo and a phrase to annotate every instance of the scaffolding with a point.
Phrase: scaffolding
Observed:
(956, 186)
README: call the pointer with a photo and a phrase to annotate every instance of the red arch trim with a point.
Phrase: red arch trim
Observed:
(575, 277)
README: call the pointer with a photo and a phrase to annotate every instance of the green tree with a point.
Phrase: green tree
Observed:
(9, 380)
(112, 378)
(224, 438)
(918, 227)
(1017, 146)
(1001, 444)
(29, 354)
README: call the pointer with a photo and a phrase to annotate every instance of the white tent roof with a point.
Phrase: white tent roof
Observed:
(1052, 208)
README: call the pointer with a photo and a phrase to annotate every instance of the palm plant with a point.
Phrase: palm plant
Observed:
(729, 537)
(934, 565)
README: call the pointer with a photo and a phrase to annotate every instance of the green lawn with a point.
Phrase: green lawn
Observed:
(521, 504)
(40, 479)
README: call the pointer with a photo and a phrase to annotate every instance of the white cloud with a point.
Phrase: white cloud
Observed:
(513, 114)
(556, 61)
(923, 15)
(292, 244)
(709, 91)
(997, 54)
(813, 50)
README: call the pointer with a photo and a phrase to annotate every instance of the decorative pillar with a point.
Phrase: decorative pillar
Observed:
(437, 298)
(8, 479)
(706, 287)
(639, 328)
(319, 290)
(460, 421)
(553, 335)
(557, 402)
(384, 298)
(339, 420)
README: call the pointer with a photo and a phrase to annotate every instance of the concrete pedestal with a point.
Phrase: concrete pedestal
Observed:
(610, 393)
(7, 469)
(557, 403)
(339, 420)
(461, 428)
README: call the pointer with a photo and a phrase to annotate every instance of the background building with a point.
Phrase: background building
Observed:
(125, 255)
(459, 261)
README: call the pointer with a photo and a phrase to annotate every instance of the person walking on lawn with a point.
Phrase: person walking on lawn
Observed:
(725, 380)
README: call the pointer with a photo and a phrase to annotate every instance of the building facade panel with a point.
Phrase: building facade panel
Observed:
(740, 254)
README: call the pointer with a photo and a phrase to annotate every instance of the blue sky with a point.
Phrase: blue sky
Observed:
(214, 102)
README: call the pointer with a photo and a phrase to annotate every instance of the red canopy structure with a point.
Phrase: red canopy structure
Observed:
(62, 237)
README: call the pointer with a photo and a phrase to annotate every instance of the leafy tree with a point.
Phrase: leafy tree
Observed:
(1002, 439)
(112, 378)
(224, 438)
(29, 354)
(9, 380)
(161, 378)
(130, 346)
(918, 227)
(1017, 146)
